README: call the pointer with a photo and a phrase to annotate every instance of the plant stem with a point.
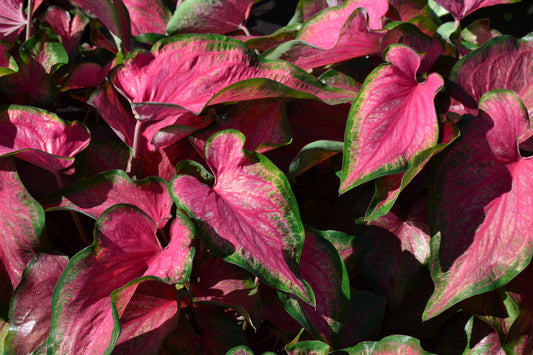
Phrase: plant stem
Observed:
(28, 24)
(134, 167)
(75, 217)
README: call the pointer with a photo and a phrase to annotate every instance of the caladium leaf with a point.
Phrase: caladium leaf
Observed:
(460, 8)
(94, 195)
(84, 75)
(13, 18)
(209, 16)
(31, 309)
(240, 350)
(336, 34)
(409, 9)
(249, 216)
(147, 16)
(21, 222)
(308, 347)
(113, 14)
(472, 231)
(502, 63)
(374, 146)
(40, 137)
(323, 268)
(313, 154)
(68, 27)
(8, 65)
(393, 344)
(150, 316)
(86, 310)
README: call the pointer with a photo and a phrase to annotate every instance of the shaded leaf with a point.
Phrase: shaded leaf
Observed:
(460, 8)
(249, 215)
(68, 27)
(393, 344)
(391, 101)
(309, 347)
(313, 154)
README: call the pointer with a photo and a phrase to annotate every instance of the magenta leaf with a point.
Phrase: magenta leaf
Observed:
(40, 137)
(86, 310)
(224, 284)
(149, 317)
(84, 75)
(391, 101)
(31, 309)
(209, 16)
(324, 269)
(69, 28)
(502, 63)
(308, 347)
(336, 34)
(13, 18)
(460, 8)
(147, 16)
(94, 195)
(479, 205)
(240, 350)
(249, 216)
(113, 14)
(8, 65)
(393, 344)
(21, 222)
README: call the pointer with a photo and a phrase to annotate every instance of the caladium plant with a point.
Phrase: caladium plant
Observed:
(176, 180)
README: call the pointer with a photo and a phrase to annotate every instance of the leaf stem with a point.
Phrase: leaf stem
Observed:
(29, 19)
(75, 217)
(134, 167)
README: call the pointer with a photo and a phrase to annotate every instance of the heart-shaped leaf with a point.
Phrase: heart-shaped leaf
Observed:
(502, 63)
(308, 347)
(21, 222)
(323, 268)
(30, 313)
(460, 8)
(147, 16)
(13, 15)
(68, 27)
(95, 195)
(392, 120)
(209, 16)
(336, 34)
(40, 137)
(480, 205)
(393, 344)
(125, 248)
(249, 216)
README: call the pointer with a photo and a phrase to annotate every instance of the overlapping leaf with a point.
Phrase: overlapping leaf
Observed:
(249, 216)
(69, 28)
(460, 8)
(126, 248)
(95, 195)
(392, 120)
(13, 17)
(40, 137)
(147, 16)
(482, 205)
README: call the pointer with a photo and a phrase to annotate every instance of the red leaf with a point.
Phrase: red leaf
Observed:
(40, 137)
(249, 215)
(460, 8)
(68, 27)
(481, 205)
(391, 101)
(126, 248)
(147, 16)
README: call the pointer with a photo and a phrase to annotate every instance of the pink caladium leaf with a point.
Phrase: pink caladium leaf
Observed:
(308, 347)
(480, 205)
(322, 266)
(393, 344)
(147, 16)
(40, 137)
(502, 63)
(113, 14)
(21, 222)
(249, 216)
(30, 313)
(8, 65)
(336, 34)
(392, 120)
(225, 284)
(84, 75)
(68, 27)
(149, 317)
(94, 195)
(460, 8)
(86, 305)
(409, 9)
(13, 18)
(209, 16)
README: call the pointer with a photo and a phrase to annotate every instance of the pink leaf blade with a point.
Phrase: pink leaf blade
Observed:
(13, 19)
(392, 344)
(461, 8)
(31, 308)
(94, 195)
(40, 137)
(147, 17)
(22, 222)
(249, 216)
(125, 249)
(381, 135)
(469, 256)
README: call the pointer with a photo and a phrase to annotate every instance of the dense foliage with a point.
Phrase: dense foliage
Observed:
(357, 182)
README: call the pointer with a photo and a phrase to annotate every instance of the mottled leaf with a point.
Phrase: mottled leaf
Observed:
(392, 120)
(147, 16)
(13, 17)
(209, 16)
(21, 222)
(481, 204)
(31, 309)
(94, 195)
(40, 137)
(86, 310)
(308, 347)
(460, 8)
(323, 268)
(393, 344)
(68, 27)
(249, 216)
